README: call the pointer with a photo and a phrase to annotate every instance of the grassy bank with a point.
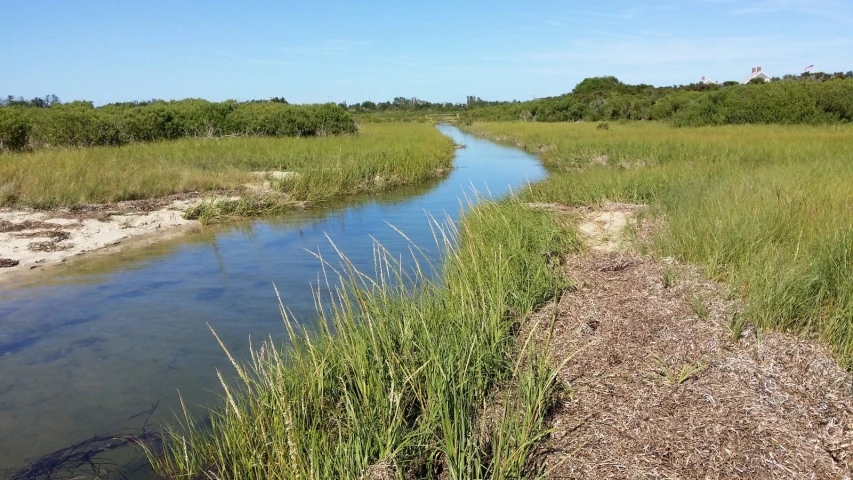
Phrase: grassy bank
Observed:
(381, 157)
(396, 384)
(765, 208)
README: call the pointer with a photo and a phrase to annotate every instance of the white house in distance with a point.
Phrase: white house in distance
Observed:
(707, 81)
(757, 73)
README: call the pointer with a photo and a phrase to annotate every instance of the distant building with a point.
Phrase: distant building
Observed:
(756, 73)
(707, 81)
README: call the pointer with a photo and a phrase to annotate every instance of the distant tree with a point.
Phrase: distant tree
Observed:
(597, 85)
(279, 100)
(37, 102)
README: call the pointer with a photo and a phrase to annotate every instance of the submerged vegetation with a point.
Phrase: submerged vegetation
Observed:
(390, 384)
(310, 169)
(765, 208)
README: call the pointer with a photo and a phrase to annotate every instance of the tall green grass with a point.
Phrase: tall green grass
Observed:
(765, 208)
(381, 157)
(392, 383)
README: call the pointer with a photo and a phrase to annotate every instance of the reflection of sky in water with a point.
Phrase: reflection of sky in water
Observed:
(111, 336)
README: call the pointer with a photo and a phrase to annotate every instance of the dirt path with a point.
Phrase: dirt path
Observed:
(669, 382)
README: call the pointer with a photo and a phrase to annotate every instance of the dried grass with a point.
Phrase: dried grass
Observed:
(8, 262)
(49, 246)
(767, 406)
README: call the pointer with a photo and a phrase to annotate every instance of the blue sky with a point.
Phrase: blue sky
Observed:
(441, 50)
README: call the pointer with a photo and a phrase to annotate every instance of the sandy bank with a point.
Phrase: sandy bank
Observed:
(32, 240)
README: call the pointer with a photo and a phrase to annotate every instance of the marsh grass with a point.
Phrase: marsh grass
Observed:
(379, 158)
(699, 306)
(668, 277)
(389, 383)
(677, 376)
(764, 208)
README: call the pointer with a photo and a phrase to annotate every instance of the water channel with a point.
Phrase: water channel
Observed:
(91, 349)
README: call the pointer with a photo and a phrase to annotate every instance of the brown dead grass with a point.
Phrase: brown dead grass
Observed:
(55, 235)
(7, 226)
(49, 246)
(659, 392)
(8, 263)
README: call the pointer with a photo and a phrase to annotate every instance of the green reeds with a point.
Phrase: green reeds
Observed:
(393, 382)
(764, 208)
(318, 168)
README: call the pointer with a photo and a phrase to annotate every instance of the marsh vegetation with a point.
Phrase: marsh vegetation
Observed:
(763, 208)
(317, 169)
(390, 384)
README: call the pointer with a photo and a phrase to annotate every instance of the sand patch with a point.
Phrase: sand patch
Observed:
(36, 239)
(603, 228)
(265, 186)
(276, 174)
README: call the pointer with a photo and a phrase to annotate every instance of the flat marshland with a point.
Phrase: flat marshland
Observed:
(380, 157)
(534, 356)
(764, 208)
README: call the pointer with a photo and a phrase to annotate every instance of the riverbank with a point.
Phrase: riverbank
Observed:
(552, 347)
(649, 329)
(762, 208)
(389, 384)
(33, 240)
(380, 157)
(48, 218)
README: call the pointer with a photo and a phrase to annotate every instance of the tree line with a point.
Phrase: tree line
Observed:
(807, 98)
(47, 122)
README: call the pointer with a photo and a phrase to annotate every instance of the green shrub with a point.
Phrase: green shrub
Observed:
(76, 124)
(14, 129)
(80, 124)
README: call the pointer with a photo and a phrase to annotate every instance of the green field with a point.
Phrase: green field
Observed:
(380, 157)
(764, 208)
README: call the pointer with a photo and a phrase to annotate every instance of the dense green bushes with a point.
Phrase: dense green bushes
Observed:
(775, 102)
(80, 124)
(607, 99)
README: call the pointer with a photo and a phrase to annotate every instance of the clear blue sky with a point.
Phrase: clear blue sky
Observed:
(440, 50)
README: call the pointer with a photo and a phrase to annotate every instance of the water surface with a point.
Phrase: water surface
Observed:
(91, 349)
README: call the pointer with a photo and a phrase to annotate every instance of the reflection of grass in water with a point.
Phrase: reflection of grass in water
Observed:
(763, 207)
(397, 388)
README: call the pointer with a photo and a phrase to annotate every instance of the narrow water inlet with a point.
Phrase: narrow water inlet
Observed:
(93, 349)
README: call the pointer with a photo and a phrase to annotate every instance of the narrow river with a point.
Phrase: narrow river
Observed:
(92, 350)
